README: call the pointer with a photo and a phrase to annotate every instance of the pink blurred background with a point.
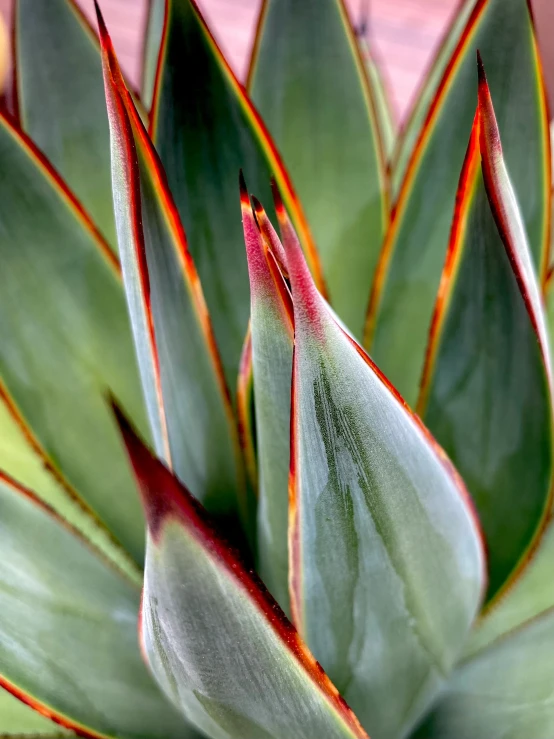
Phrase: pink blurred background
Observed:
(405, 34)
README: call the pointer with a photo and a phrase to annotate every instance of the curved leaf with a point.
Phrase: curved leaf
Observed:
(503, 693)
(217, 642)
(203, 141)
(272, 345)
(61, 100)
(486, 389)
(62, 609)
(410, 265)
(423, 99)
(380, 528)
(65, 335)
(181, 373)
(306, 71)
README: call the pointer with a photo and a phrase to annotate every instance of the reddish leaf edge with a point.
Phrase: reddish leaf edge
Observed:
(245, 392)
(69, 491)
(118, 113)
(491, 149)
(190, 274)
(388, 247)
(307, 298)
(45, 167)
(273, 158)
(25, 697)
(474, 163)
(165, 498)
(367, 92)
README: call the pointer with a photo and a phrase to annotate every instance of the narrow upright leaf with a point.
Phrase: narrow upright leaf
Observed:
(272, 345)
(309, 82)
(61, 100)
(486, 393)
(151, 49)
(414, 127)
(68, 645)
(203, 141)
(216, 641)
(381, 527)
(65, 336)
(503, 693)
(187, 399)
(411, 261)
(384, 109)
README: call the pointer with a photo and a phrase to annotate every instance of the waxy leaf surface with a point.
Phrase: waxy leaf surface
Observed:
(19, 720)
(65, 337)
(203, 141)
(216, 641)
(486, 392)
(506, 692)
(61, 100)
(68, 643)
(188, 404)
(381, 527)
(410, 265)
(309, 83)
(272, 345)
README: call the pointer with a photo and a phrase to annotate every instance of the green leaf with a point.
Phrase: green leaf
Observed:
(151, 49)
(189, 408)
(408, 137)
(23, 458)
(503, 693)
(217, 642)
(272, 346)
(68, 642)
(495, 425)
(411, 262)
(246, 420)
(61, 100)
(384, 109)
(381, 527)
(203, 141)
(306, 72)
(65, 336)
(19, 720)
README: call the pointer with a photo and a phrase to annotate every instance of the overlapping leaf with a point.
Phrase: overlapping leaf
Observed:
(203, 140)
(189, 409)
(217, 642)
(65, 336)
(380, 528)
(68, 644)
(411, 262)
(486, 393)
(505, 692)
(306, 72)
(61, 100)
(202, 162)
(272, 346)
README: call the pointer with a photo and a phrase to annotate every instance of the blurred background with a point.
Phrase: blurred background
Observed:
(404, 35)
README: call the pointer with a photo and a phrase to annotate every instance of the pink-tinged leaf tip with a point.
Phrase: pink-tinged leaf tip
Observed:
(270, 235)
(306, 297)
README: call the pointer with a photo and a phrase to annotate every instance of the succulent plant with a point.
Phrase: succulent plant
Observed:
(354, 413)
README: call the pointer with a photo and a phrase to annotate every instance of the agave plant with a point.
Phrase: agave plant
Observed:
(354, 413)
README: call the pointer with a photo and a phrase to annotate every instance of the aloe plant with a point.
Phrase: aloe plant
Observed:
(305, 411)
